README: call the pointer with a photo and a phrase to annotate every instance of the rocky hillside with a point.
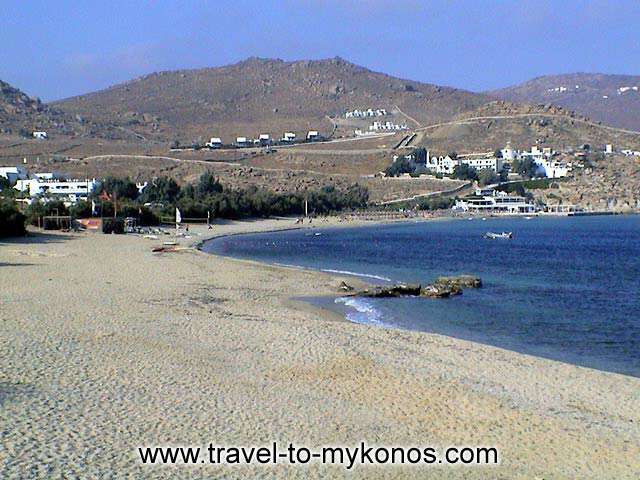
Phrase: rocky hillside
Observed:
(20, 115)
(610, 99)
(493, 124)
(263, 95)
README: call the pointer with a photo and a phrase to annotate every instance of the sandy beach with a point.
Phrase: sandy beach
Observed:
(106, 347)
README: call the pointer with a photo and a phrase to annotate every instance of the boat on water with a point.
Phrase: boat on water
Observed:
(496, 236)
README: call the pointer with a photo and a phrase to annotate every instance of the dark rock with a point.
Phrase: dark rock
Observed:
(392, 291)
(345, 287)
(461, 281)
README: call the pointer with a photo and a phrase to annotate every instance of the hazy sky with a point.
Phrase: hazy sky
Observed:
(58, 48)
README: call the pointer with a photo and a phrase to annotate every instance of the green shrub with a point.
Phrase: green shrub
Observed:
(11, 220)
(113, 225)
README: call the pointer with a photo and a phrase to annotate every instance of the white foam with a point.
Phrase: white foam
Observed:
(356, 274)
(361, 311)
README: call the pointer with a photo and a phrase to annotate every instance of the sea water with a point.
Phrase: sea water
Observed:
(566, 288)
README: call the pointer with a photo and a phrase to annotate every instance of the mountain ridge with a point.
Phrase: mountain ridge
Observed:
(613, 99)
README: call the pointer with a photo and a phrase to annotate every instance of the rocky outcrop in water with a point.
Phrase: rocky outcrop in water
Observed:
(443, 287)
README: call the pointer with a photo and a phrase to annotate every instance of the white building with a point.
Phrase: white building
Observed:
(481, 162)
(13, 174)
(442, 164)
(445, 165)
(69, 191)
(214, 142)
(241, 141)
(264, 139)
(608, 148)
(313, 135)
(498, 202)
(40, 135)
(552, 168)
(288, 137)
(366, 113)
(631, 153)
(386, 126)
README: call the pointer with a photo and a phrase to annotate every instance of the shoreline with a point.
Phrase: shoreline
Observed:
(188, 348)
(362, 281)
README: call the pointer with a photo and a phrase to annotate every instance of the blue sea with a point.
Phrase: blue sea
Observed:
(566, 288)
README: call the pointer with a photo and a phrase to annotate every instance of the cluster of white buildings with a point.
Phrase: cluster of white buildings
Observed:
(47, 186)
(445, 164)
(378, 126)
(379, 112)
(545, 159)
(487, 200)
(263, 140)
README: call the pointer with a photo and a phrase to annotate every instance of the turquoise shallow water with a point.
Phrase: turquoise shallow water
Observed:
(563, 288)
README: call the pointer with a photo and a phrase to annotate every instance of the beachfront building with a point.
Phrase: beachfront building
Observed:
(495, 202)
(69, 191)
(13, 174)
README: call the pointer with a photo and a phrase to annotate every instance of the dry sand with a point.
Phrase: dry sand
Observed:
(105, 346)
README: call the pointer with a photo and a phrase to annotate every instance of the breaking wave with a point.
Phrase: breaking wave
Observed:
(361, 311)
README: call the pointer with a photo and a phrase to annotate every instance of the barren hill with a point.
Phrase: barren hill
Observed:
(491, 125)
(264, 95)
(21, 114)
(611, 99)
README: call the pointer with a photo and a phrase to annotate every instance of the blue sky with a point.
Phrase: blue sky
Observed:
(55, 49)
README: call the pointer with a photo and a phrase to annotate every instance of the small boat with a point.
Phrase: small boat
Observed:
(495, 236)
(170, 243)
(317, 234)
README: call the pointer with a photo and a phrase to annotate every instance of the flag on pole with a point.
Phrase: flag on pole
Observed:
(93, 207)
(178, 216)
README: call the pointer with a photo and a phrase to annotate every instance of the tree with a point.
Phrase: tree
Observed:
(121, 187)
(208, 184)
(497, 153)
(4, 183)
(161, 189)
(11, 219)
(486, 176)
(464, 172)
(525, 167)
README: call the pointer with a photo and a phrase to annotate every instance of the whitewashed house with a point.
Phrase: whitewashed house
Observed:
(442, 164)
(40, 135)
(288, 137)
(69, 191)
(313, 135)
(13, 174)
(242, 142)
(264, 140)
(214, 143)
(481, 162)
